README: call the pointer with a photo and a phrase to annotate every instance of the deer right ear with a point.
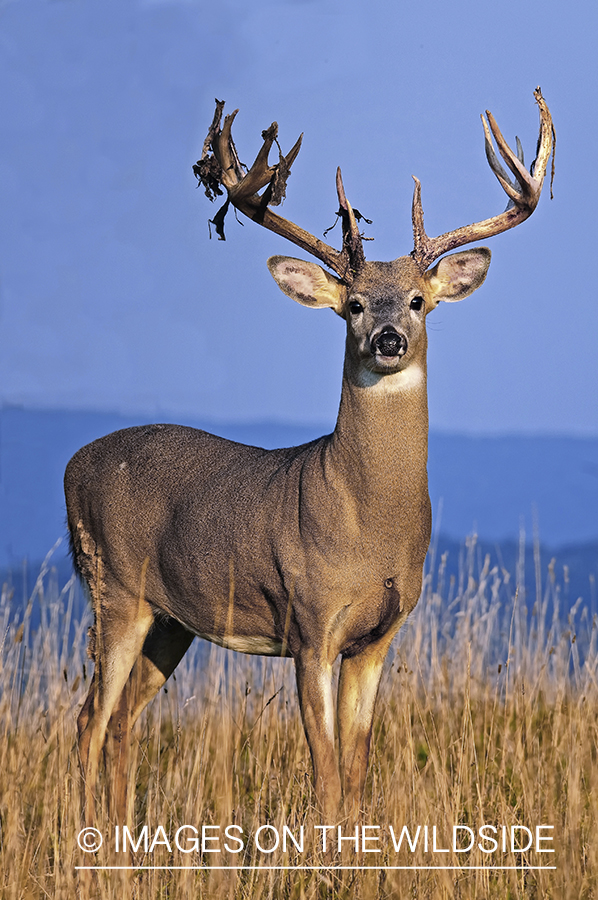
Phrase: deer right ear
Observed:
(307, 283)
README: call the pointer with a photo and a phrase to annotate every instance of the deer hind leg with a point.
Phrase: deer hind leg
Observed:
(121, 627)
(164, 647)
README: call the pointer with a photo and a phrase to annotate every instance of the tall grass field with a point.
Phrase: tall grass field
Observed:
(483, 779)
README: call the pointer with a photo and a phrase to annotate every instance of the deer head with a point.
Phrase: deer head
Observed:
(384, 303)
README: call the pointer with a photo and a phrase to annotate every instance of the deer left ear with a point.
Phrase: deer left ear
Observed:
(457, 276)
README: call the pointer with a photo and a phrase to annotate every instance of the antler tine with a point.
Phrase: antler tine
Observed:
(261, 173)
(522, 176)
(512, 190)
(420, 238)
(524, 192)
(351, 237)
(224, 168)
(226, 153)
(546, 141)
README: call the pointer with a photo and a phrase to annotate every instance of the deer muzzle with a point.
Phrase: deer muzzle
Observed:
(389, 343)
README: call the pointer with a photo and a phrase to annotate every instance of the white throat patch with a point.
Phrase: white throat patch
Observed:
(406, 380)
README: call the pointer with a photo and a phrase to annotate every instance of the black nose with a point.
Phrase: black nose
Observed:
(389, 343)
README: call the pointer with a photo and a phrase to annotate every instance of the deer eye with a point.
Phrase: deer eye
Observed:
(417, 303)
(355, 308)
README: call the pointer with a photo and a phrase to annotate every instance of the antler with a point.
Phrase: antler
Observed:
(222, 167)
(523, 192)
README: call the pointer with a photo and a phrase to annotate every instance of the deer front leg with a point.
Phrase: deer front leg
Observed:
(314, 686)
(357, 692)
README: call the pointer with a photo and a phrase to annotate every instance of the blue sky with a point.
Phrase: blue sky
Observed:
(112, 296)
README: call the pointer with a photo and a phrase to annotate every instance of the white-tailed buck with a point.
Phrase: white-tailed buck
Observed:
(311, 552)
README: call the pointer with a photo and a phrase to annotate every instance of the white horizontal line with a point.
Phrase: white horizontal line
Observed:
(325, 868)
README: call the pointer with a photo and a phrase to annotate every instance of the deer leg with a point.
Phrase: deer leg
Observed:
(85, 713)
(357, 691)
(314, 686)
(163, 649)
(119, 640)
(116, 755)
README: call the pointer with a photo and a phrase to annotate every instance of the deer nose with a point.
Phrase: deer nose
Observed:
(389, 343)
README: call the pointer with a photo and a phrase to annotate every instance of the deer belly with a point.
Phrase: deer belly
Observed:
(246, 643)
(230, 612)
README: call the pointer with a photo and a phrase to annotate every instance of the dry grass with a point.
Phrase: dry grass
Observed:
(487, 714)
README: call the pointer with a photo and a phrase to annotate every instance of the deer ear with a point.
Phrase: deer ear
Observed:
(307, 283)
(459, 275)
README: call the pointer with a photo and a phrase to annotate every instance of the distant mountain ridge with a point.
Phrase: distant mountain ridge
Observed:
(487, 484)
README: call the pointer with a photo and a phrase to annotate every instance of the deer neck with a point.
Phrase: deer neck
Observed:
(380, 443)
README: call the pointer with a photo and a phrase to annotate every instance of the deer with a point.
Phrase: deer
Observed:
(312, 552)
